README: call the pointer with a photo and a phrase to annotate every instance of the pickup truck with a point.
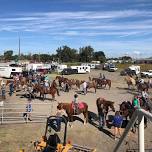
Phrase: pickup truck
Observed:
(147, 74)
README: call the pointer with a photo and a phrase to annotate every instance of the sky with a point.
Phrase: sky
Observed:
(117, 27)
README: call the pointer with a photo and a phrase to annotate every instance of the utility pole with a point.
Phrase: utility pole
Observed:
(19, 50)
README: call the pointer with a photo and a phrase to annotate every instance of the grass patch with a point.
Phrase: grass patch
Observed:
(143, 67)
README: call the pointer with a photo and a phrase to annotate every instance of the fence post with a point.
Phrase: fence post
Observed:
(141, 133)
(2, 113)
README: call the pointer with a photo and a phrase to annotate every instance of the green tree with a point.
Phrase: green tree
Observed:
(99, 56)
(8, 55)
(86, 54)
(66, 54)
(45, 58)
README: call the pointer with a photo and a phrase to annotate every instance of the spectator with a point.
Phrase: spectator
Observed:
(117, 123)
(85, 87)
(3, 89)
(135, 103)
(11, 88)
(27, 114)
(145, 97)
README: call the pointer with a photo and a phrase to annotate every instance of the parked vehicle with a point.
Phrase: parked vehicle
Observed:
(112, 68)
(127, 72)
(81, 69)
(147, 74)
(61, 67)
(135, 68)
(69, 71)
(8, 72)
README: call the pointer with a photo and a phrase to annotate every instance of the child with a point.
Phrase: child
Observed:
(117, 123)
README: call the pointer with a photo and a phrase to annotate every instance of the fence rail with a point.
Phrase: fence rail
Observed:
(12, 115)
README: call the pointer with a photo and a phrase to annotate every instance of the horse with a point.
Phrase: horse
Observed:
(130, 82)
(70, 111)
(101, 82)
(61, 79)
(92, 84)
(127, 110)
(103, 109)
(51, 90)
(142, 86)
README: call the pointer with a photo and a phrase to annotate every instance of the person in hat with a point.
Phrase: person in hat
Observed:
(75, 103)
(3, 89)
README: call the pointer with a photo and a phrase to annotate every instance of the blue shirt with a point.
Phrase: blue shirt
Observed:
(29, 107)
(117, 120)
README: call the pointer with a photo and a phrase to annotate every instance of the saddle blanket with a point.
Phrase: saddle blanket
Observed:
(80, 105)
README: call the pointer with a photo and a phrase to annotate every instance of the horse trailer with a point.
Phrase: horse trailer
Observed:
(82, 69)
(135, 68)
(8, 72)
(61, 67)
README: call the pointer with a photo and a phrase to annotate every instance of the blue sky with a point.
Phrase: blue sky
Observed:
(117, 27)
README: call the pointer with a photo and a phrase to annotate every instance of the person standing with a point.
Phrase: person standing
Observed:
(11, 88)
(145, 97)
(85, 87)
(29, 109)
(3, 89)
(117, 123)
(135, 103)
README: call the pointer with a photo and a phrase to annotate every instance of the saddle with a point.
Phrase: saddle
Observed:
(77, 106)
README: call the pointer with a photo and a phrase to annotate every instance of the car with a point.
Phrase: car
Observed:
(68, 71)
(127, 72)
(147, 74)
(112, 68)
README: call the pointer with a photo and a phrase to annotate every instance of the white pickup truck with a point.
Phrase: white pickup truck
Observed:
(147, 74)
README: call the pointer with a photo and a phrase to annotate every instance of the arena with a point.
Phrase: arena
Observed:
(21, 135)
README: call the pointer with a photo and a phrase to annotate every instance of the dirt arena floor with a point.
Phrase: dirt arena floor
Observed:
(14, 137)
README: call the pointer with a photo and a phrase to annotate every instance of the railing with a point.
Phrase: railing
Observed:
(13, 112)
(138, 114)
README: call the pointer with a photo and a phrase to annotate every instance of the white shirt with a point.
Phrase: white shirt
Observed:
(84, 84)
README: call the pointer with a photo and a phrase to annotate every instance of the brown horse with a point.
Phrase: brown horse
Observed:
(51, 90)
(103, 109)
(92, 84)
(68, 107)
(101, 82)
(61, 79)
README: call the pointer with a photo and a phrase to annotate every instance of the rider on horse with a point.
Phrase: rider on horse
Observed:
(75, 104)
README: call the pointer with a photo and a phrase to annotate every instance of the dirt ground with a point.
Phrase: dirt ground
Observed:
(17, 136)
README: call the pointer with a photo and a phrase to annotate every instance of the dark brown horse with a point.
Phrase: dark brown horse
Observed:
(103, 109)
(61, 79)
(68, 107)
(142, 86)
(127, 110)
(102, 82)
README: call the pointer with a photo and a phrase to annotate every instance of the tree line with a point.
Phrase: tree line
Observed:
(63, 54)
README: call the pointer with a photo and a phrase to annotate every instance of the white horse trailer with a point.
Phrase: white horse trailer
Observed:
(61, 67)
(8, 72)
(135, 68)
(34, 66)
(92, 65)
(82, 69)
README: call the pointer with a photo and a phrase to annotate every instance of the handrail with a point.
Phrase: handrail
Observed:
(138, 114)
